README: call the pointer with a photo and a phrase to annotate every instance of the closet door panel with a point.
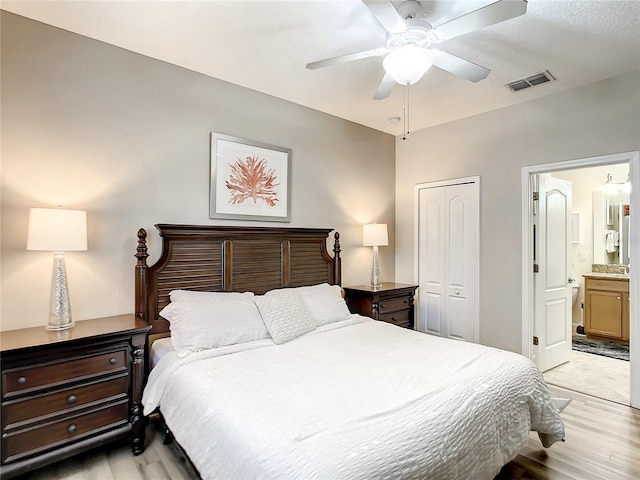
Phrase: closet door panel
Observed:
(460, 261)
(432, 260)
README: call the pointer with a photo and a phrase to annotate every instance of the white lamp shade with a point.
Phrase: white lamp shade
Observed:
(375, 234)
(57, 230)
(408, 64)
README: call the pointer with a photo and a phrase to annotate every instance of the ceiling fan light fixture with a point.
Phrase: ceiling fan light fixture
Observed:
(407, 64)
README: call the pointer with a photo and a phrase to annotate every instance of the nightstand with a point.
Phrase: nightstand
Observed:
(390, 302)
(68, 391)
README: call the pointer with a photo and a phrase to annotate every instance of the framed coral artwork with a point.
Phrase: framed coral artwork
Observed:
(249, 180)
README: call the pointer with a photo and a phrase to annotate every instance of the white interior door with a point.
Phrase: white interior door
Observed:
(447, 234)
(552, 288)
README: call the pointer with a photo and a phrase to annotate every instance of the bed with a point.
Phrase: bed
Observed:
(347, 397)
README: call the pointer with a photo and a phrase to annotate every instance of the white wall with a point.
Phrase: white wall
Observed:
(90, 126)
(597, 119)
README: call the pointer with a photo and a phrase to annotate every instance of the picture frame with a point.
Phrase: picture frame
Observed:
(249, 180)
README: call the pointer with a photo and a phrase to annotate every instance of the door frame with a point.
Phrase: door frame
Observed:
(633, 158)
(475, 181)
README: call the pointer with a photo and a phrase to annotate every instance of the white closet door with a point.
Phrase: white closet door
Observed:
(447, 259)
(461, 262)
(432, 239)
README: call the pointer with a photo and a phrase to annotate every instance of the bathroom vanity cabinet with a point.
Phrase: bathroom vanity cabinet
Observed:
(606, 309)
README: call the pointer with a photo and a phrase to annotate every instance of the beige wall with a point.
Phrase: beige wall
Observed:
(90, 126)
(597, 119)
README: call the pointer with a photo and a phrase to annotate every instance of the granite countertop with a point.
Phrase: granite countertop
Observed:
(609, 276)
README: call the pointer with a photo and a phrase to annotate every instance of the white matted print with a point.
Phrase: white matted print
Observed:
(249, 180)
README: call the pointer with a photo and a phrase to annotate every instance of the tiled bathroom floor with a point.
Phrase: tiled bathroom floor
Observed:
(595, 375)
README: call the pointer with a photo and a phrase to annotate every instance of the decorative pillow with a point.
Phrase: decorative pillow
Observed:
(325, 303)
(227, 320)
(284, 314)
(192, 296)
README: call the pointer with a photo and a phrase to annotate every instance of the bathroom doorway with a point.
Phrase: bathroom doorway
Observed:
(598, 364)
(597, 375)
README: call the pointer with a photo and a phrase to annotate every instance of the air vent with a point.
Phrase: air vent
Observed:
(532, 81)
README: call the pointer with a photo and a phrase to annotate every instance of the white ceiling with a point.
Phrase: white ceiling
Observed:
(265, 45)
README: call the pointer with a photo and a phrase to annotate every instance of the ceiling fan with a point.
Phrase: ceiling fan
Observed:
(410, 50)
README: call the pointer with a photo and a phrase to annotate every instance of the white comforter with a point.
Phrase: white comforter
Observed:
(358, 399)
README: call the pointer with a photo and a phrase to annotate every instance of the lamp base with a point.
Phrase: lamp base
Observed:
(375, 271)
(57, 327)
(60, 311)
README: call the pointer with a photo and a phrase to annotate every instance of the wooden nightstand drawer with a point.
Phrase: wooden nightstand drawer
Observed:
(49, 435)
(66, 392)
(397, 318)
(40, 376)
(393, 304)
(390, 302)
(22, 411)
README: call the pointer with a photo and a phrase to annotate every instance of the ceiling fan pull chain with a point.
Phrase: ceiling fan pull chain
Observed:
(405, 134)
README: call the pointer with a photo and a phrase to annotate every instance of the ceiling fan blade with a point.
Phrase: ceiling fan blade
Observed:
(385, 87)
(327, 62)
(386, 14)
(496, 12)
(460, 67)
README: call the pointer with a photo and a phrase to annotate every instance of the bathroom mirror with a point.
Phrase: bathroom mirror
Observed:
(611, 228)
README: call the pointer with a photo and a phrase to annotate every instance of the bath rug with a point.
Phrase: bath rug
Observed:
(601, 347)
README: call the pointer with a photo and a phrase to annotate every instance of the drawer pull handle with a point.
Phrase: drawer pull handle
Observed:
(382, 305)
(113, 360)
(618, 298)
(405, 302)
(457, 292)
(71, 428)
(71, 399)
(22, 380)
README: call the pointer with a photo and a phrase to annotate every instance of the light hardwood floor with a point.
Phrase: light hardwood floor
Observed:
(602, 443)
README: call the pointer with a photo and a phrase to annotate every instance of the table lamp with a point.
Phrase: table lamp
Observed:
(58, 230)
(375, 235)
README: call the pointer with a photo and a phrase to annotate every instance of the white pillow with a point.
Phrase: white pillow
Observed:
(325, 303)
(284, 314)
(221, 320)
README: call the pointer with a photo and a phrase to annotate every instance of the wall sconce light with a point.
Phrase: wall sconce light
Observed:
(611, 188)
(375, 235)
(58, 230)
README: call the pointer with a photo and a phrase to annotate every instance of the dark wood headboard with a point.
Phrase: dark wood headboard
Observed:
(230, 259)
